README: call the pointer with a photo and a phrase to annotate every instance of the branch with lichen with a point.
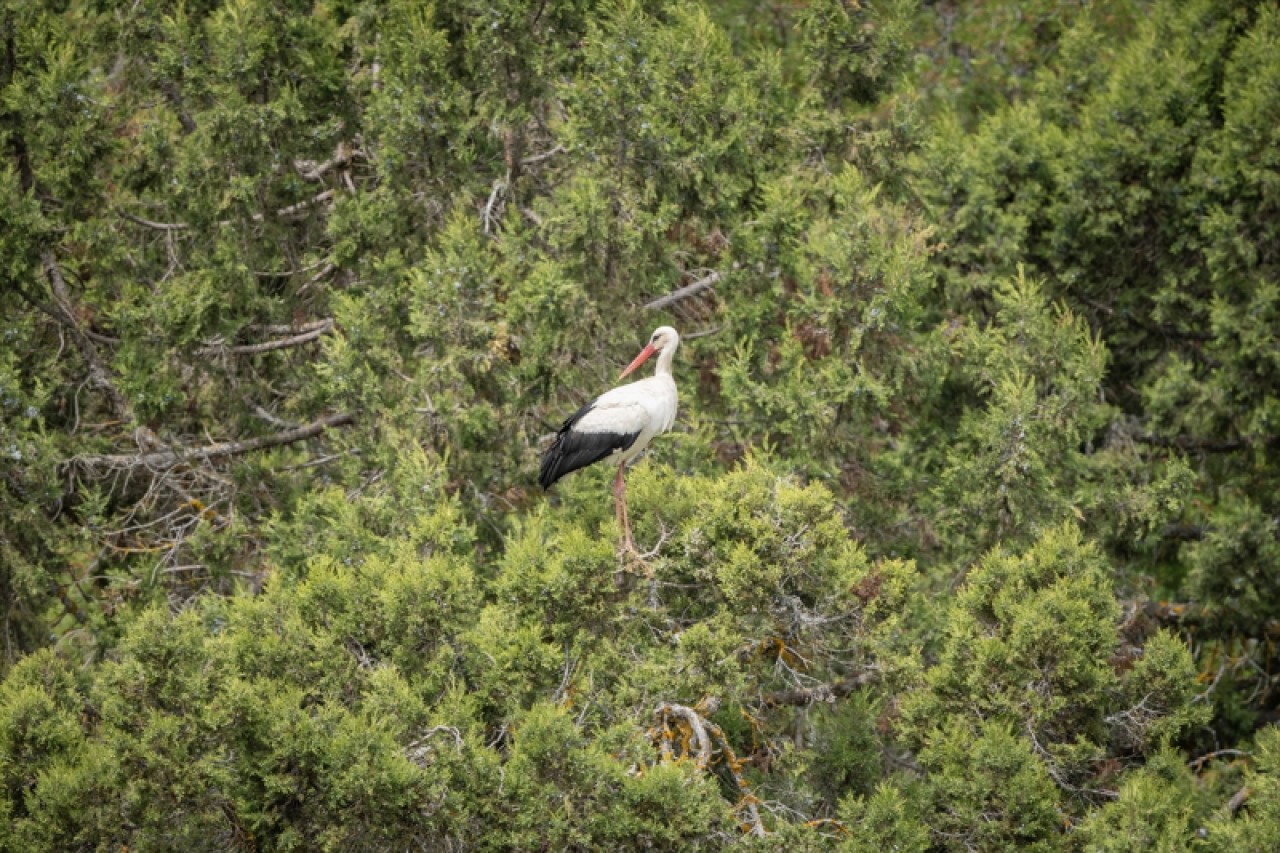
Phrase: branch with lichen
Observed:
(696, 736)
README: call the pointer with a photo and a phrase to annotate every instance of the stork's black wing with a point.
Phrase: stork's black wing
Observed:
(589, 435)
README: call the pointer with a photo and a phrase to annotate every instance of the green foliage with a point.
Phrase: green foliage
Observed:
(889, 819)
(984, 57)
(1033, 641)
(1235, 565)
(1012, 467)
(372, 694)
(966, 536)
(846, 756)
(1259, 827)
(853, 50)
(987, 790)
(829, 285)
(1158, 808)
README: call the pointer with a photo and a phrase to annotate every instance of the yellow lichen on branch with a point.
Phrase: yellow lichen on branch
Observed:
(703, 741)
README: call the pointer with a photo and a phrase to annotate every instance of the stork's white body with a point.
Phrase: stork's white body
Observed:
(619, 424)
(644, 409)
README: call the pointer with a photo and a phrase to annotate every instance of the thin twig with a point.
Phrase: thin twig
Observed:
(1196, 764)
(158, 226)
(328, 268)
(704, 333)
(684, 292)
(289, 273)
(546, 155)
(300, 207)
(488, 218)
(270, 418)
(98, 374)
(803, 696)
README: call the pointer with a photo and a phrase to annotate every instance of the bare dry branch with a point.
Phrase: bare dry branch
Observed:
(289, 273)
(300, 207)
(546, 155)
(684, 292)
(1237, 801)
(704, 333)
(98, 374)
(323, 328)
(283, 213)
(309, 170)
(63, 319)
(493, 207)
(294, 329)
(324, 271)
(421, 752)
(803, 696)
(165, 458)
(693, 720)
(702, 735)
(158, 226)
(1197, 764)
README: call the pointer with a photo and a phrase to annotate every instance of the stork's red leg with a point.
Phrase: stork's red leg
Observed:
(617, 497)
(620, 507)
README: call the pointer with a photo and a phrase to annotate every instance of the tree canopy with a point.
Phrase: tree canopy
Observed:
(968, 534)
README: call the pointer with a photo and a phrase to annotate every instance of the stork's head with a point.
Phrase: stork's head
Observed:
(664, 338)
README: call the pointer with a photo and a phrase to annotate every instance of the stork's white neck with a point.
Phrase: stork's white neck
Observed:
(665, 357)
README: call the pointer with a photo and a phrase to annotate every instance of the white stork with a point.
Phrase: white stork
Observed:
(618, 424)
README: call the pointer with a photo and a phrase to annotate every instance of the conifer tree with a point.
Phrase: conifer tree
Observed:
(966, 538)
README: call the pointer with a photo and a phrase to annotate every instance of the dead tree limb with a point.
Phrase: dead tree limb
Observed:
(803, 696)
(324, 271)
(158, 226)
(166, 458)
(283, 213)
(691, 718)
(294, 329)
(300, 207)
(309, 170)
(545, 155)
(1237, 801)
(699, 738)
(98, 373)
(683, 293)
(316, 330)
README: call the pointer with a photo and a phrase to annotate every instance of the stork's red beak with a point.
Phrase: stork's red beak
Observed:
(639, 360)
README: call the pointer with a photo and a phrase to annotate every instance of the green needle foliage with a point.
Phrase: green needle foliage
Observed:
(968, 533)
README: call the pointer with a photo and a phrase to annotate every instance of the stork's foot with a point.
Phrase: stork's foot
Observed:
(633, 559)
(633, 562)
